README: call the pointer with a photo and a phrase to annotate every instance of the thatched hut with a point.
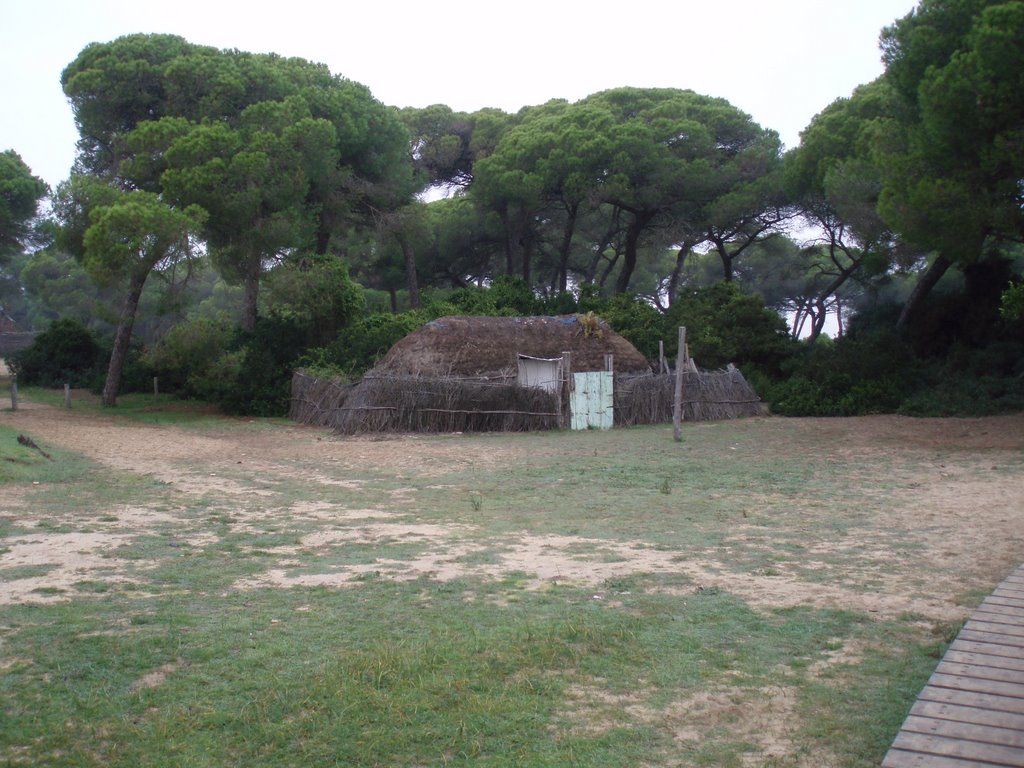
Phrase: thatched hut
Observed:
(480, 374)
(466, 374)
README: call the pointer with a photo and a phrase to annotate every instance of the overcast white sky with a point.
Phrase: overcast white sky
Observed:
(782, 61)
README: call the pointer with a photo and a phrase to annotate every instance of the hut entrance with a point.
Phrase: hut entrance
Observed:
(540, 372)
(591, 400)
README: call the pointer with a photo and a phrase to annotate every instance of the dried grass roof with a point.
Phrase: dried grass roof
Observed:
(482, 346)
(15, 342)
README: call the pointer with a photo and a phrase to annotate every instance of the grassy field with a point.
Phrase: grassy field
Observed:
(183, 589)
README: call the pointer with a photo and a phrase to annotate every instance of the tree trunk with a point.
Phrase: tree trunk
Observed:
(251, 296)
(924, 285)
(603, 245)
(411, 281)
(629, 262)
(513, 241)
(608, 269)
(798, 320)
(726, 257)
(820, 314)
(677, 271)
(122, 338)
(565, 246)
(323, 239)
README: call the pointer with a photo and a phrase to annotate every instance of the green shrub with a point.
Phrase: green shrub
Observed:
(317, 292)
(65, 353)
(265, 358)
(1011, 305)
(956, 394)
(725, 325)
(637, 322)
(361, 344)
(514, 295)
(871, 372)
(188, 359)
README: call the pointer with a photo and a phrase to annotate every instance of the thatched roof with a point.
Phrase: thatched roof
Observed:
(15, 342)
(485, 346)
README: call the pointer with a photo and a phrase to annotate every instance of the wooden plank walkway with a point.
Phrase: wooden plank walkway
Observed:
(971, 712)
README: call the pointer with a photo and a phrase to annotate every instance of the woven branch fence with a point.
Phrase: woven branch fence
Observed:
(451, 404)
(707, 396)
(421, 404)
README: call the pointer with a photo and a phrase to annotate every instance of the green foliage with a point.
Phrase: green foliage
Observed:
(929, 369)
(272, 148)
(266, 358)
(633, 319)
(317, 292)
(1012, 302)
(361, 344)
(505, 296)
(725, 325)
(953, 393)
(60, 287)
(65, 353)
(861, 373)
(514, 295)
(951, 156)
(20, 193)
(192, 359)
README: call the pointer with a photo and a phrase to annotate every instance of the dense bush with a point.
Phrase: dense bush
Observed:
(317, 293)
(361, 344)
(954, 393)
(263, 361)
(192, 359)
(65, 353)
(725, 325)
(637, 321)
(876, 369)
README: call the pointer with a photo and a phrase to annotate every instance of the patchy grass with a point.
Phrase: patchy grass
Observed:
(163, 409)
(415, 674)
(173, 646)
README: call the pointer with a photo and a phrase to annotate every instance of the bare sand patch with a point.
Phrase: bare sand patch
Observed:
(155, 678)
(74, 557)
(765, 718)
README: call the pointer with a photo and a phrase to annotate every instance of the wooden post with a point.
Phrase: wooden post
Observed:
(67, 395)
(662, 362)
(563, 395)
(156, 389)
(609, 363)
(14, 393)
(677, 408)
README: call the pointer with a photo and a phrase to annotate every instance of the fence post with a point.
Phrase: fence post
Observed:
(14, 392)
(564, 398)
(67, 395)
(156, 389)
(677, 406)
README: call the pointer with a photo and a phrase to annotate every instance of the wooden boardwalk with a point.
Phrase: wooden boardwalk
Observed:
(971, 712)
